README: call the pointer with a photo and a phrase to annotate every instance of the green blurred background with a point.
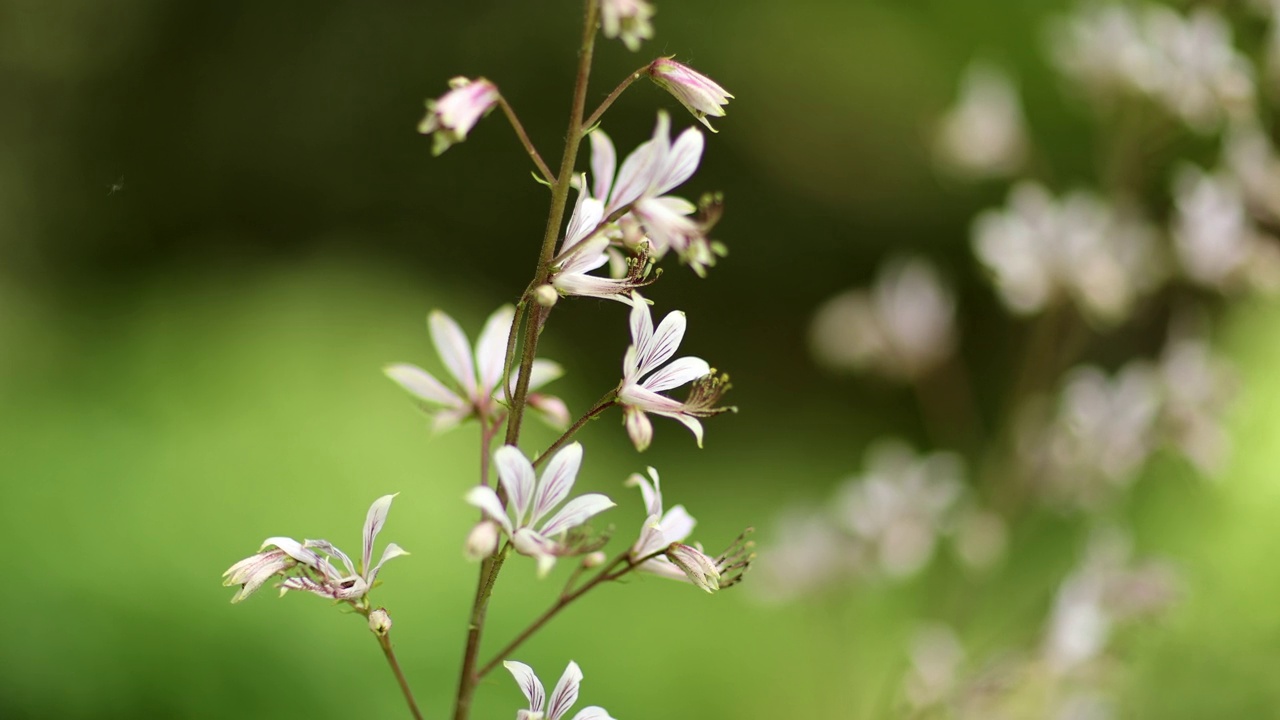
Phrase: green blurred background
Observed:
(191, 363)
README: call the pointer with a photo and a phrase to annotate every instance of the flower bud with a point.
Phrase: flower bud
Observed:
(546, 295)
(380, 622)
(594, 559)
(482, 541)
(698, 93)
(451, 116)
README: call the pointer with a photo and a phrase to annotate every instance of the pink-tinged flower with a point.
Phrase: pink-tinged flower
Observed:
(529, 500)
(562, 698)
(644, 378)
(585, 249)
(313, 562)
(476, 390)
(666, 532)
(639, 191)
(698, 93)
(451, 116)
(628, 20)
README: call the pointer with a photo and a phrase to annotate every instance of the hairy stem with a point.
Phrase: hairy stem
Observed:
(384, 641)
(524, 140)
(626, 83)
(468, 678)
(606, 402)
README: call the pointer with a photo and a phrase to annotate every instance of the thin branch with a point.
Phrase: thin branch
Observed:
(384, 641)
(626, 83)
(606, 402)
(524, 140)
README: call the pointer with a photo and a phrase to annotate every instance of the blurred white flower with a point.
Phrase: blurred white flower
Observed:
(902, 328)
(900, 505)
(628, 20)
(699, 94)
(451, 116)
(1216, 241)
(644, 377)
(530, 499)
(1042, 250)
(1105, 589)
(312, 559)
(981, 538)
(1198, 386)
(983, 134)
(476, 388)
(936, 657)
(1186, 63)
(562, 698)
(807, 552)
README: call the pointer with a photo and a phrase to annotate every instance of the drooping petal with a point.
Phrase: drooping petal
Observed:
(647, 400)
(604, 162)
(666, 340)
(422, 384)
(557, 481)
(566, 692)
(516, 473)
(491, 349)
(674, 374)
(593, 713)
(484, 497)
(576, 512)
(373, 523)
(668, 224)
(252, 572)
(551, 409)
(651, 492)
(689, 421)
(638, 428)
(529, 542)
(529, 684)
(700, 569)
(392, 551)
(454, 349)
(294, 548)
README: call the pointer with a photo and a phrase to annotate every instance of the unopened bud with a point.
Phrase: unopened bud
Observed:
(594, 559)
(482, 541)
(380, 622)
(546, 295)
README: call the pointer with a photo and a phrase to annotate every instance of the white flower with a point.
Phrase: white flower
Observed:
(313, 560)
(627, 19)
(902, 328)
(453, 115)
(530, 499)
(1042, 250)
(698, 93)
(644, 377)
(982, 135)
(562, 698)
(1217, 243)
(649, 172)
(1197, 388)
(586, 248)
(477, 378)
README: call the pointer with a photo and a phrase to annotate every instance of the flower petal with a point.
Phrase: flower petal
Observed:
(422, 384)
(551, 409)
(392, 551)
(566, 692)
(587, 214)
(454, 349)
(666, 340)
(641, 331)
(680, 163)
(516, 473)
(651, 492)
(689, 421)
(677, 525)
(576, 512)
(543, 372)
(638, 427)
(673, 375)
(328, 548)
(604, 162)
(593, 713)
(484, 497)
(635, 176)
(373, 523)
(529, 684)
(294, 549)
(557, 481)
(491, 349)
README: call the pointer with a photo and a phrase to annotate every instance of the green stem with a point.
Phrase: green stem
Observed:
(524, 139)
(626, 83)
(384, 641)
(468, 678)
(606, 402)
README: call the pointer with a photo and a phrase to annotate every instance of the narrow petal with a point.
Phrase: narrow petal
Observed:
(593, 713)
(557, 481)
(645, 399)
(329, 549)
(681, 162)
(422, 384)
(576, 512)
(641, 327)
(677, 525)
(634, 177)
(551, 409)
(666, 340)
(638, 428)
(592, 286)
(694, 425)
(449, 419)
(454, 349)
(674, 374)
(491, 349)
(373, 523)
(294, 549)
(543, 372)
(587, 214)
(566, 692)
(483, 497)
(604, 162)
(529, 684)
(516, 473)
(651, 492)
(392, 551)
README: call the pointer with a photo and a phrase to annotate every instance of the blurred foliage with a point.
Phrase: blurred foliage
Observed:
(190, 363)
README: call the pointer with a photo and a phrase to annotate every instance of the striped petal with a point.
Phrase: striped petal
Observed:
(454, 349)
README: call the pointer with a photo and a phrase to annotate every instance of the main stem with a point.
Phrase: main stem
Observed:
(537, 316)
